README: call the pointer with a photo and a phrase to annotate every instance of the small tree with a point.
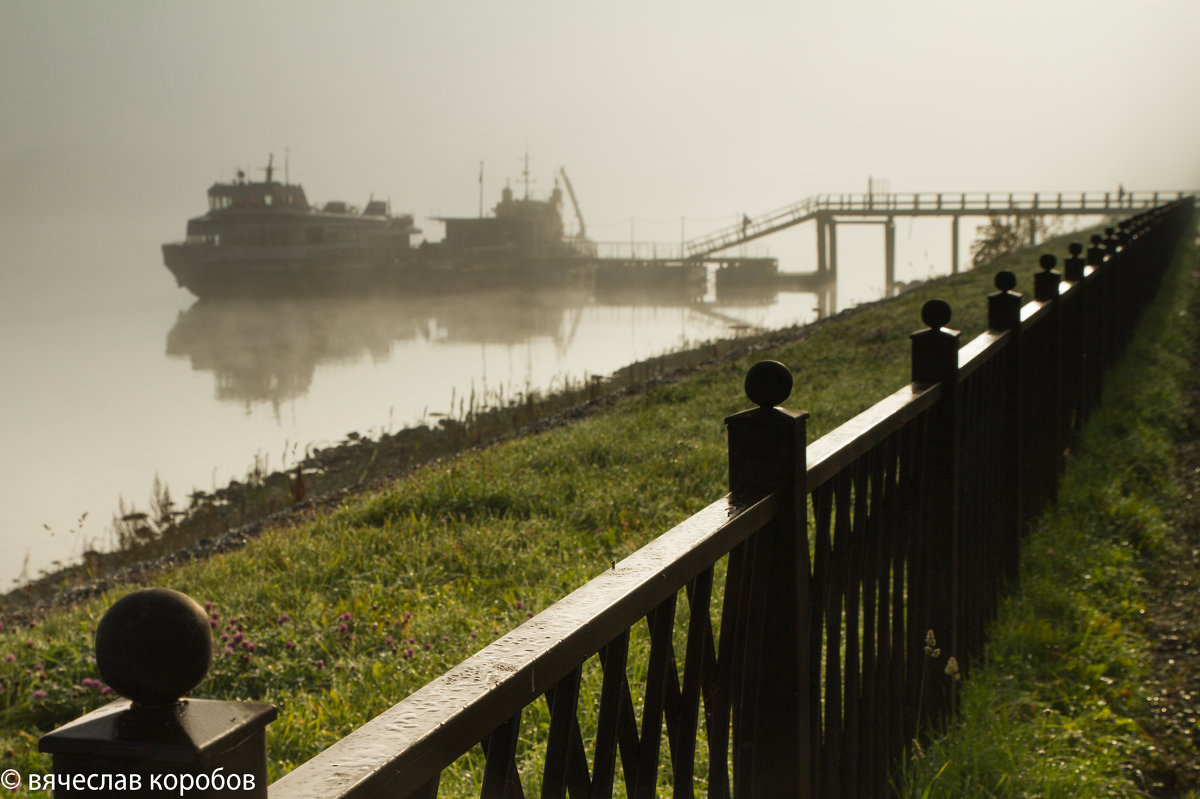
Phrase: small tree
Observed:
(1003, 234)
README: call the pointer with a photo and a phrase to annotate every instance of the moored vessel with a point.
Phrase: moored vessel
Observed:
(265, 238)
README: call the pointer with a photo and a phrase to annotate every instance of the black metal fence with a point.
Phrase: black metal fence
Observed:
(807, 627)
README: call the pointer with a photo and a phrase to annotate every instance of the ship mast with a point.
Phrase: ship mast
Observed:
(525, 175)
(269, 168)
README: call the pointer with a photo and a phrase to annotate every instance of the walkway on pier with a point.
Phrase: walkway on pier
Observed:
(827, 208)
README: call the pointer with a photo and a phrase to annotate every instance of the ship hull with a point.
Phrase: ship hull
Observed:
(288, 271)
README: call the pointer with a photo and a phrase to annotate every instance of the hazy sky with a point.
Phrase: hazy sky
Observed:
(658, 110)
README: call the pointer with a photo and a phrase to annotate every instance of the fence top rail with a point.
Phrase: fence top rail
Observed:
(843, 445)
(979, 350)
(1031, 311)
(409, 744)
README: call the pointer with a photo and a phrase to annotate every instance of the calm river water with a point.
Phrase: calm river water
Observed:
(113, 376)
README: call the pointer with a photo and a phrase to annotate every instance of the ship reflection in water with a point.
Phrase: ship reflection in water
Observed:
(286, 288)
(268, 350)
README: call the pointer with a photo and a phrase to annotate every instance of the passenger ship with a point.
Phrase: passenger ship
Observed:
(264, 238)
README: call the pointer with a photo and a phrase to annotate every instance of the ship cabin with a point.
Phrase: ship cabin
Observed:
(337, 224)
(528, 227)
(243, 196)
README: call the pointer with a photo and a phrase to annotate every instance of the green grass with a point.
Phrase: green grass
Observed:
(337, 619)
(1058, 709)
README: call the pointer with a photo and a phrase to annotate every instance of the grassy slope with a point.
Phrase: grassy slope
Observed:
(338, 619)
(1060, 709)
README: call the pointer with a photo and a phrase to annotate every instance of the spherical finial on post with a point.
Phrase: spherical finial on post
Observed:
(1046, 282)
(934, 350)
(153, 646)
(1095, 253)
(1074, 264)
(1004, 307)
(768, 384)
(936, 313)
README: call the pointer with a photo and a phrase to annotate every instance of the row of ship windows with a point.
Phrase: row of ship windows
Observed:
(221, 202)
(267, 237)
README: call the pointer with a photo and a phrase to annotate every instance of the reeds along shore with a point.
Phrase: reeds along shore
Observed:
(168, 532)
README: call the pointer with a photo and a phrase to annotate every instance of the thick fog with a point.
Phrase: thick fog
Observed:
(672, 119)
(659, 111)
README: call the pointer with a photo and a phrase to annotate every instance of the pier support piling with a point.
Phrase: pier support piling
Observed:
(889, 249)
(833, 245)
(822, 262)
(954, 244)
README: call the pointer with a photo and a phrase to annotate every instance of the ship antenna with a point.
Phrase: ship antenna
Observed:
(525, 174)
(270, 167)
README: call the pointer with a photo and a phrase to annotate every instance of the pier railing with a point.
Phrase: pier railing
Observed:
(928, 204)
(800, 629)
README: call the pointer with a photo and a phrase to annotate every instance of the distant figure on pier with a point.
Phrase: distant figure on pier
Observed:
(745, 224)
(1120, 193)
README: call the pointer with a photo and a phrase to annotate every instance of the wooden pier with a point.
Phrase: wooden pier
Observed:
(827, 210)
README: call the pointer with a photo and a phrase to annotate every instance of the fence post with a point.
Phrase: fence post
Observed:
(152, 647)
(935, 592)
(772, 733)
(1107, 301)
(1004, 314)
(1079, 322)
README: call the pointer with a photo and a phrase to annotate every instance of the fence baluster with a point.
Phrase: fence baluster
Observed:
(661, 623)
(695, 665)
(564, 746)
(500, 777)
(614, 698)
